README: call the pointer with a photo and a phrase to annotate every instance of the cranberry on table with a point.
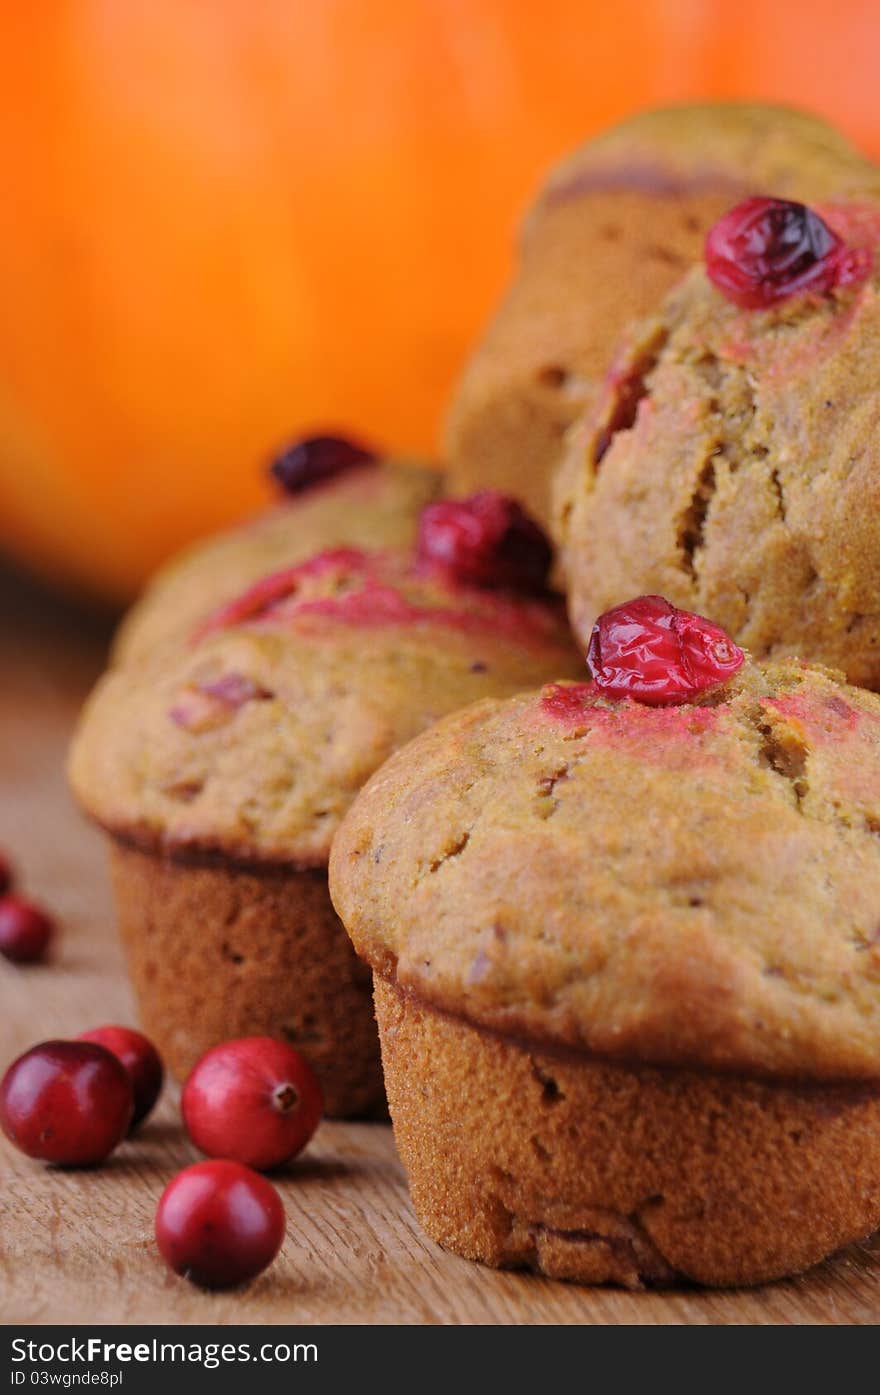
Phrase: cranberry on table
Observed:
(66, 1102)
(765, 250)
(318, 458)
(219, 1223)
(256, 1100)
(25, 930)
(649, 650)
(487, 540)
(141, 1061)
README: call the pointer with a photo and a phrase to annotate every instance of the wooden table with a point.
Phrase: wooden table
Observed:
(77, 1246)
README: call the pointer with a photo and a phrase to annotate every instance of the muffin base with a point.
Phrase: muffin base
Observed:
(216, 950)
(521, 1155)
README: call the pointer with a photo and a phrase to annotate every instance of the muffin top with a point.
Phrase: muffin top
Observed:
(691, 883)
(616, 225)
(250, 736)
(369, 504)
(736, 449)
(752, 145)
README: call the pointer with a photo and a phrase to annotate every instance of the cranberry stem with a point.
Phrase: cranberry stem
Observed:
(285, 1097)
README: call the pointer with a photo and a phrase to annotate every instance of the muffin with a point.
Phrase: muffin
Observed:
(332, 491)
(616, 225)
(221, 764)
(733, 460)
(625, 944)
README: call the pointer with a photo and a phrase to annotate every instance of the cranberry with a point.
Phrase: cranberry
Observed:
(25, 930)
(140, 1059)
(764, 250)
(218, 1223)
(650, 651)
(487, 540)
(6, 877)
(204, 706)
(256, 1100)
(317, 458)
(67, 1102)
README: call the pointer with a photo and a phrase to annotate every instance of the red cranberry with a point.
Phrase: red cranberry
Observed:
(6, 877)
(25, 930)
(487, 540)
(218, 1223)
(764, 250)
(317, 458)
(650, 651)
(204, 706)
(256, 1100)
(140, 1059)
(67, 1102)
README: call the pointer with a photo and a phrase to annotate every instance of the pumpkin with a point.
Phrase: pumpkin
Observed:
(226, 223)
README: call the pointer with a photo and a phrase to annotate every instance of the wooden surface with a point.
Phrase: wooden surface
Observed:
(77, 1246)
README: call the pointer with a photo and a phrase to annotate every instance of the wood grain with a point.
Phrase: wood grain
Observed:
(77, 1246)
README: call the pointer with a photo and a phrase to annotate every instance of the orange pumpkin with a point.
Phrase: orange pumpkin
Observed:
(225, 222)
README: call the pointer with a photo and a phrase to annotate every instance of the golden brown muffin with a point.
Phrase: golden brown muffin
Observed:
(733, 464)
(221, 765)
(374, 504)
(616, 225)
(627, 971)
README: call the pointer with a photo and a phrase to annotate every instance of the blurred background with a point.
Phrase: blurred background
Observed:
(228, 221)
